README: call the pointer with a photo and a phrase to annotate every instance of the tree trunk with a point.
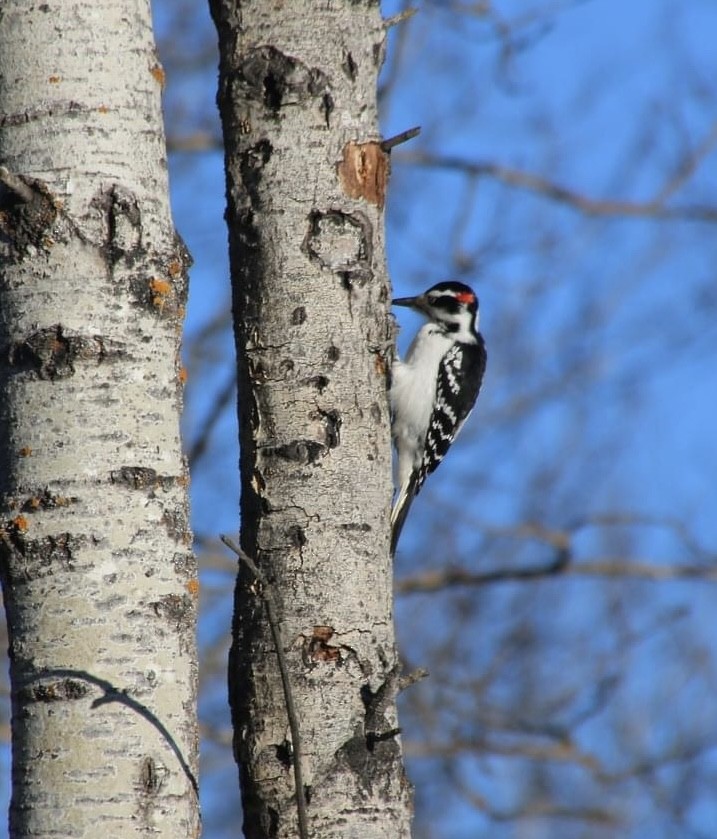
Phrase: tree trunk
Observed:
(305, 184)
(98, 575)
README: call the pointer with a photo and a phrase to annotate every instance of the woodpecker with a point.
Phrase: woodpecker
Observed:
(434, 388)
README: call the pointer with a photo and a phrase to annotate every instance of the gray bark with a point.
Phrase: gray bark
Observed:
(305, 178)
(97, 570)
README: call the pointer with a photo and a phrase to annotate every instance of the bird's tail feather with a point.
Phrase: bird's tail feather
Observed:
(401, 507)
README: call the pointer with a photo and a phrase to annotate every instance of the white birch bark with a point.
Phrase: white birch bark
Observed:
(98, 574)
(305, 180)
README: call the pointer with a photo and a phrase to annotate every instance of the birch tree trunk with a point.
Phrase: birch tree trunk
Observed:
(305, 185)
(98, 575)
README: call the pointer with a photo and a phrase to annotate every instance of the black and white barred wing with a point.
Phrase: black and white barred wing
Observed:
(460, 375)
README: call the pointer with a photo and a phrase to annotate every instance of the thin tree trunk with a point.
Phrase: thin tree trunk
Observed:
(305, 182)
(98, 575)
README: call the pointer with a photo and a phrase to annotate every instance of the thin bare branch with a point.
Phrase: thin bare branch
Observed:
(406, 14)
(403, 137)
(438, 580)
(655, 208)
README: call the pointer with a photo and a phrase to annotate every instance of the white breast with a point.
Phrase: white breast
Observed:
(413, 390)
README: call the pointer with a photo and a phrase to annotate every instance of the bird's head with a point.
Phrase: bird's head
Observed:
(452, 305)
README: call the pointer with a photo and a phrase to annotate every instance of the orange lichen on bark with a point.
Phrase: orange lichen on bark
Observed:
(20, 523)
(158, 72)
(25, 451)
(160, 289)
(363, 172)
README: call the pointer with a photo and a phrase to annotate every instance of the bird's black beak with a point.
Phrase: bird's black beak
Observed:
(418, 302)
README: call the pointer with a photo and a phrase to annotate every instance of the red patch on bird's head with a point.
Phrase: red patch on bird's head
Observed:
(465, 297)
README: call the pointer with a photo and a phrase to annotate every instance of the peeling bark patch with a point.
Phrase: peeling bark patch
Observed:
(342, 243)
(363, 172)
(58, 691)
(51, 352)
(270, 76)
(27, 212)
(317, 647)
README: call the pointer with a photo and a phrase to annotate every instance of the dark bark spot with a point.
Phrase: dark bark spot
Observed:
(275, 79)
(151, 776)
(58, 691)
(297, 537)
(51, 352)
(332, 426)
(297, 451)
(251, 166)
(379, 52)
(124, 225)
(176, 524)
(319, 382)
(298, 316)
(177, 610)
(349, 66)
(45, 500)
(185, 565)
(327, 106)
(285, 754)
(134, 477)
(27, 212)
(352, 526)
(373, 737)
(23, 559)
(333, 353)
